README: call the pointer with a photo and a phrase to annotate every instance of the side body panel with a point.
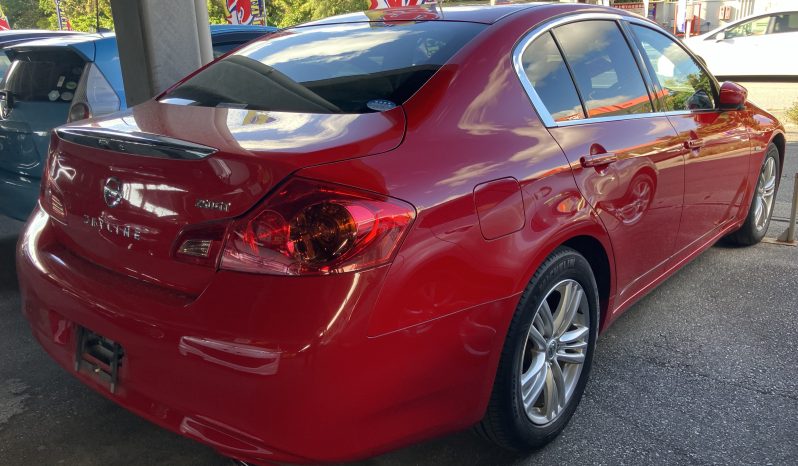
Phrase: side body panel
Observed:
(638, 197)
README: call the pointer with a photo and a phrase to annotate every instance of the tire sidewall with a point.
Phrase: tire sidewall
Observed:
(757, 235)
(567, 265)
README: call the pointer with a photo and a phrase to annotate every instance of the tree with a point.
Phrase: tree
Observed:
(25, 14)
(286, 13)
(217, 12)
(82, 14)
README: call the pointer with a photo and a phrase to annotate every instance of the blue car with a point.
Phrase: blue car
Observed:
(54, 81)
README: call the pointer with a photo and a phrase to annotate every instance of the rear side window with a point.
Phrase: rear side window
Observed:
(340, 68)
(685, 86)
(44, 75)
(548, 74)
(604, 68)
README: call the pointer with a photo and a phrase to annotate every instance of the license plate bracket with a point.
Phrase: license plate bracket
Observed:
(98, 356)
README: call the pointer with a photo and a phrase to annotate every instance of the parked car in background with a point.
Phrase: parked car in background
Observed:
(11, 37)
(754, 46)
(53, 81)
(366, 231)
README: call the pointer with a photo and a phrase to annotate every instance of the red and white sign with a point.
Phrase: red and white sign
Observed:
(380, 4)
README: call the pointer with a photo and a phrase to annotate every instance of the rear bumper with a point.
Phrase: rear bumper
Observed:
(266, 368)
(18, 194)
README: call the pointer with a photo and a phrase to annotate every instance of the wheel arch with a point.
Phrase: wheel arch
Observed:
(596, 255)
(590, 239)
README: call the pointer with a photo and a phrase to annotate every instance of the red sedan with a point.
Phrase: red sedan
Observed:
(367, 231)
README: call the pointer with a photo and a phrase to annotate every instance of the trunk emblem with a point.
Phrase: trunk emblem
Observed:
(112, 192)
(208, 204)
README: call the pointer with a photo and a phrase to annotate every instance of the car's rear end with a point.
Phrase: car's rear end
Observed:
(180, 264)
(48, 83)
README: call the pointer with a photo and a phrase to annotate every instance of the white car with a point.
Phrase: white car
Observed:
(759, 45)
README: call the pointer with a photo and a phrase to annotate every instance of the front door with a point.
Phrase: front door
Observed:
(716, 144)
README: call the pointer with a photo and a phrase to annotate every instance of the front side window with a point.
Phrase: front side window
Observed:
(685, 86)
(604, 68)
(336, 68)
(755, 27)
(785, 22)
(546, 71)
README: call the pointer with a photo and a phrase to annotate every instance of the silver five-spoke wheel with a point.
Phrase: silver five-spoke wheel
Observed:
(765, 193)
(555, 351)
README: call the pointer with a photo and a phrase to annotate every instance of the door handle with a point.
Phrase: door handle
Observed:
(598, 160)
(693, 144)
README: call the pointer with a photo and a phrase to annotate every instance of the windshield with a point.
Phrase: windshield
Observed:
(44, 75)
(341, 68)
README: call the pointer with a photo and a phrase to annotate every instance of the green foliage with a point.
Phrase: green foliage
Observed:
(24, 14)
(284, 13)
(217, 13)
(792, 113)
(27, 14)
(82, 14)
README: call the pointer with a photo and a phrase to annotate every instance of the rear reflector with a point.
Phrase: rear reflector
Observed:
(196, 247)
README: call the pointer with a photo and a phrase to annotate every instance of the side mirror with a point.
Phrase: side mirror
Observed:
(720, 36)
(732, 96)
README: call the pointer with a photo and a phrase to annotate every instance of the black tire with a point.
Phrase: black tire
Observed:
(506, 422)
(749, 234)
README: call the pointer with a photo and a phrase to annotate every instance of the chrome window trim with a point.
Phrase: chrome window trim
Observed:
(537, 102)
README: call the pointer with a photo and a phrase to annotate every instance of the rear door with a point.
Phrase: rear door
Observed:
(716, 143)
(38, 90)
(624, 154)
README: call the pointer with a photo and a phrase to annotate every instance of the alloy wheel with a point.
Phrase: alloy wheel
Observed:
(555, 352)
(765, 194)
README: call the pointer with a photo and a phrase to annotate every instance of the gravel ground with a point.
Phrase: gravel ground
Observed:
(702, 371)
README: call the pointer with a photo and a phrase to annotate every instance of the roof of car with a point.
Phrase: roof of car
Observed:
(10, 37)
(487, 14)
(22, 32)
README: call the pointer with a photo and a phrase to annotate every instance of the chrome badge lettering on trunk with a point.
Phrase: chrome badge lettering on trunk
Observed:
(125, 231)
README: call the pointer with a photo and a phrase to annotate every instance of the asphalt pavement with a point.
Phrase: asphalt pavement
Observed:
(702, 371)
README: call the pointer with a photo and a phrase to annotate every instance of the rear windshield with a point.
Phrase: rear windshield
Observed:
(340, 68)
(46, 75)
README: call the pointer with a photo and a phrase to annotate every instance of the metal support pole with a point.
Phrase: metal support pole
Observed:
(789, 235)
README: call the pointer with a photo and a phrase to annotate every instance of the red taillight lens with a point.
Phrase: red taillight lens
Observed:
(311, 228)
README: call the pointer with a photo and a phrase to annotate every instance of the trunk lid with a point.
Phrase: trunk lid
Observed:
(178, 167)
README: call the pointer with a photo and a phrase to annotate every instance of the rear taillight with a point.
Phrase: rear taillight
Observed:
(93, 97)
(78, 111)
(310, 228)
(49, 198)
